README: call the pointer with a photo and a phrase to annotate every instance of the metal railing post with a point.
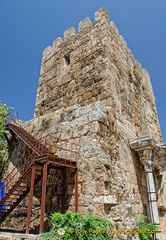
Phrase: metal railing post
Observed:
(30, 198)
(63, 189)
(43, 200)
(76, 190)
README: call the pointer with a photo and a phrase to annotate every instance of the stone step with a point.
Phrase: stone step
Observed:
(18, 236)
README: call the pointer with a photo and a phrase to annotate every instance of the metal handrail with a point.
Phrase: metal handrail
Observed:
(11, 178)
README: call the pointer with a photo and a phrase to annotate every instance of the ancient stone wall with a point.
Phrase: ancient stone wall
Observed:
(111, 178)
(112, 181)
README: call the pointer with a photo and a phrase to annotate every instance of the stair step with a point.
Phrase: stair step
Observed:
(21, 188)
(13, 201)
(7, 207)
(16, 196)
(16, 192)
(23, 185)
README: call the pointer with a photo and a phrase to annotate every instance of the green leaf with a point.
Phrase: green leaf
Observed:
(4, 118)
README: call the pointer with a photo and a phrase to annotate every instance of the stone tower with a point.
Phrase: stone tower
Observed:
(103, 100)
(92, 92)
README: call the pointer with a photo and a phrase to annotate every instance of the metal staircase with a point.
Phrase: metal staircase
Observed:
(18, 192)
(27, 174)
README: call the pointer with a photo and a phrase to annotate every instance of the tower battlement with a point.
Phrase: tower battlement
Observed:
(100, 16)
(67, 60)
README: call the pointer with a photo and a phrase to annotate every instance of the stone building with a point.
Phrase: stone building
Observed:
(94, 94)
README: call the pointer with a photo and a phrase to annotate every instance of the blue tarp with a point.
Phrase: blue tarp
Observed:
(2, 194)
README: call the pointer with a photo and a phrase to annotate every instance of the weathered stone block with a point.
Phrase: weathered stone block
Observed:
(57, 43)
(102, 12)
(84, 24)
(69, 33)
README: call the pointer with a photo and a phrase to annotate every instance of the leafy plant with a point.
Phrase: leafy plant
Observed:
(145, 230)
(6, 221)
(4, 117)
(77, 227)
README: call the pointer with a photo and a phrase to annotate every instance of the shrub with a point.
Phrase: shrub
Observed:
(6, 221)
(145, 230)
(4, 117)
(78, 227)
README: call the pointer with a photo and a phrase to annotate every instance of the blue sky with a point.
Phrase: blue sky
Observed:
(28, 26)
